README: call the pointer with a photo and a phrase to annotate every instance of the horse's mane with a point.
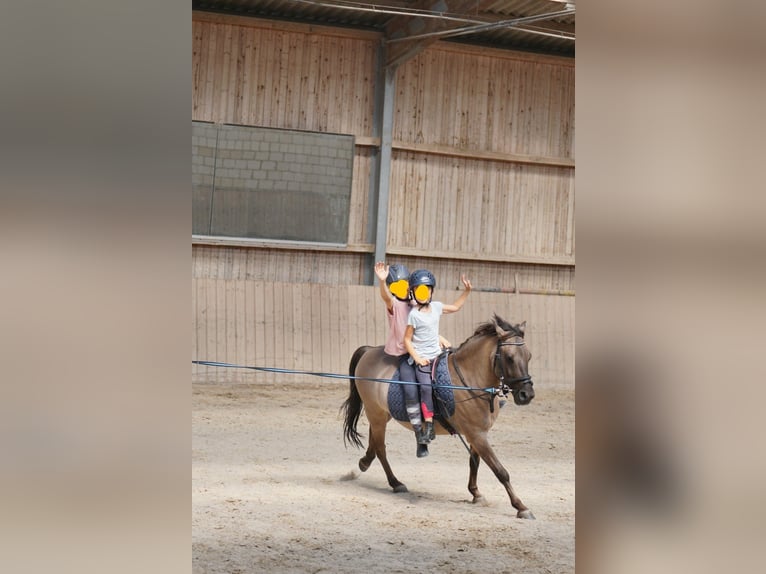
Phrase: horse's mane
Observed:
(489, 329)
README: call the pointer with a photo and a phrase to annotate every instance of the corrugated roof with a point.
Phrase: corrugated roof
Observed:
(497, 23)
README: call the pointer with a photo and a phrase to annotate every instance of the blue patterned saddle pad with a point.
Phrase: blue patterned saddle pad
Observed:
(444, 399)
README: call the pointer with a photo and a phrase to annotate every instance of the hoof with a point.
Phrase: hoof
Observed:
(400, 488)
(480, 500)
(525, 514)
(363, 466)
(422, 450)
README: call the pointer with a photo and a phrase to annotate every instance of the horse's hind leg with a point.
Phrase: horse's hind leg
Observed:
(377, 447)
(473, 487)
(369, 456)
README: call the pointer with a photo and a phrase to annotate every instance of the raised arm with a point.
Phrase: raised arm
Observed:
(460, 300)
(381, 270)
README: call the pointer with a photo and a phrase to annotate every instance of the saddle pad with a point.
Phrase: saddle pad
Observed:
(444, 399)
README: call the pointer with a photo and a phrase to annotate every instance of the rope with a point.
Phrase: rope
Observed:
(491, 390)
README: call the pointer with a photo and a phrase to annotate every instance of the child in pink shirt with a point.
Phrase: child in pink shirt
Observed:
(395, 292)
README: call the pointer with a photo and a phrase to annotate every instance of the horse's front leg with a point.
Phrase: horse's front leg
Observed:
(480, 448)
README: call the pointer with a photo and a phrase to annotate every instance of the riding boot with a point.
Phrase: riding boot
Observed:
(422, 446)
(422, 435)
(429, 431)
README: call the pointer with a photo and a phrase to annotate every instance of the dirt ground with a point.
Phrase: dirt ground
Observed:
(275, 490)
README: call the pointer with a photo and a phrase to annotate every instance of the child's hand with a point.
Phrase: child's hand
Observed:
(423, 362)
(381, 270)
(466, 283)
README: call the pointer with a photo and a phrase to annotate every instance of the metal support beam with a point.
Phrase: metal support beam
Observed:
(407, 36)
(380, 170)
(368, 274)
(384, 163)
(476, 28)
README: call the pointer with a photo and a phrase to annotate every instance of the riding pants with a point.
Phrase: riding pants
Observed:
(423, 390)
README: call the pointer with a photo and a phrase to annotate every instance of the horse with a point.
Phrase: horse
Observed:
(493, 361)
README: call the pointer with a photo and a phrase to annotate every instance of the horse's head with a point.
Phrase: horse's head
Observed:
(511, 360)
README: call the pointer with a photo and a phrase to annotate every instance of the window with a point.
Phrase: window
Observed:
(270, 184)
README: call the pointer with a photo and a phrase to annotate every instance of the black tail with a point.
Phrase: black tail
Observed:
(352, 407)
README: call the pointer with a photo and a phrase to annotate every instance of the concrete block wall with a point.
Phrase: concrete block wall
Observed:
(275, 184)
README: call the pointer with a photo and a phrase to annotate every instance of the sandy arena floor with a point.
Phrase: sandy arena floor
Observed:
(275, 490)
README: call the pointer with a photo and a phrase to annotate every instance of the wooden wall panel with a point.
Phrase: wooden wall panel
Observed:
(251, 72)
(255, 73)
(359, 226)
(503, 222)
(258, 72)
(488, 100)
(317, 327)
(473, 208)
(282, 265)
(216, 262)
(492, 276)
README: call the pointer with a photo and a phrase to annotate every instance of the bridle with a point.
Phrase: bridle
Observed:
(504, 384)
(503, 389)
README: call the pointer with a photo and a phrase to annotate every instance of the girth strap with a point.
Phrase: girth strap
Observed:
(439, 418)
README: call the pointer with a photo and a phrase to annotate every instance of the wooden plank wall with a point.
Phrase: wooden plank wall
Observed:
(481, 99)
(489, 104)
(276, 74)
(282, 75)
(458, 208)
(281, 265)
(482, 183)
(482, 169)
(317, 327)
(297, 266)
